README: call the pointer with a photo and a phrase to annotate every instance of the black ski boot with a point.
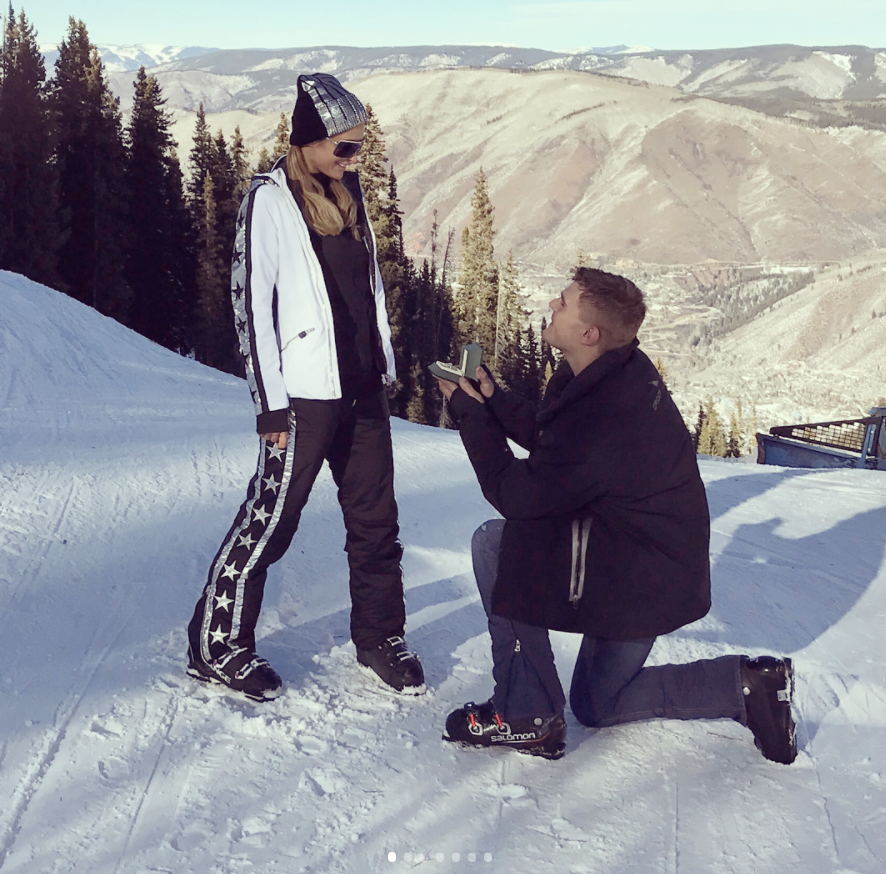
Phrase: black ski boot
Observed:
(479, 725)
(768, 685)
(398, 668)
(241, 671)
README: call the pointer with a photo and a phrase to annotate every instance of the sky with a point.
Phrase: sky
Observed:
(676, 24)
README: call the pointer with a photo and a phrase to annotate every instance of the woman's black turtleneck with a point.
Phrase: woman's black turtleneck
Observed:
(345, 264)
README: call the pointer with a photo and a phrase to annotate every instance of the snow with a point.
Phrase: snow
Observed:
(727, 71)
(122, 59)
(121, 466)
(842, 62)
(445, 59)
(657, 70)
(822, 75)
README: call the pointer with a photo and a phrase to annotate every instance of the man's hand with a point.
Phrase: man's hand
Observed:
(281, 438)
(487, 386)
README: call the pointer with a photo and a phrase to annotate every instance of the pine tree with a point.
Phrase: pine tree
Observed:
(182, 241)
(200, 161)
(214, 213)
(735, 440)
(401, 293)
(510, 318)
(281, 140)
(699, 426)
(417, 402)
(435, 307)
(373, 176)
(217, 337)
(443, 319)
(476, 302)
(265, 161)
(29, 231)
(240, 162)
(157, 268)
(712, 438)
(90, 157)
(224, 181)
(527, 381)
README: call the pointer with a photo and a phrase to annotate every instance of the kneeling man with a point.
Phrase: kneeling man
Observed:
(605, 533)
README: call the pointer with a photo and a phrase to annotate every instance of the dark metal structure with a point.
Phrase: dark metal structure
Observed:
(858, 443)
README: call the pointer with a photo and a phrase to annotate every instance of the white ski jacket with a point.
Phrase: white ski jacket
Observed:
(281, 307)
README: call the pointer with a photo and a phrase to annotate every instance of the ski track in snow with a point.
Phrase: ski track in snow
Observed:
(113, 761)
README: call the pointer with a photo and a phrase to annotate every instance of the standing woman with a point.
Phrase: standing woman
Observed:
(310, 314)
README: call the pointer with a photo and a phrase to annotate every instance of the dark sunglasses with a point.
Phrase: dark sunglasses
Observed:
(346, 148)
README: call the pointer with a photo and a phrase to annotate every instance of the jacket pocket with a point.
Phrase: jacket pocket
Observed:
(299, 336)
(581, 532)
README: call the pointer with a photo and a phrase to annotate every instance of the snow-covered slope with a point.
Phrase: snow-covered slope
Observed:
(120, 468)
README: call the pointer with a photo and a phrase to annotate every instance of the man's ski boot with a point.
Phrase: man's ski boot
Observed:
(768, 685)
(479, 725)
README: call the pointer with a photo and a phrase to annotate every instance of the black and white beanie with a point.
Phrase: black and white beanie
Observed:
(324, 108)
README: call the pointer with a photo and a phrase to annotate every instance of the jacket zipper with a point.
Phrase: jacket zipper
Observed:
(581, 530)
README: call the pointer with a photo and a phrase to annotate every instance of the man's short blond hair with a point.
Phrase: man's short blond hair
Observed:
(617, 299)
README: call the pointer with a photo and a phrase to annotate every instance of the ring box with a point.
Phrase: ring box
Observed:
(471, 359)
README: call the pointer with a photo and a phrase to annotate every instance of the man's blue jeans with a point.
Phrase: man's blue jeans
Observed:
(610, 686)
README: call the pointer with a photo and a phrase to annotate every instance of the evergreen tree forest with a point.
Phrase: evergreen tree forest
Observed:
(486, 305)
(712, 436)
(114, 214)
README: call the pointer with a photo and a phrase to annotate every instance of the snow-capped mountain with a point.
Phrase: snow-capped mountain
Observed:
(127, 59)
(755, 74)
(769, 77)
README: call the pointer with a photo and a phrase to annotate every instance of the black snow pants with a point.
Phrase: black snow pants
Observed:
(355, 438)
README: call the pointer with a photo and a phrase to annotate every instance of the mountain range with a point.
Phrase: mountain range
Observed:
(780, 78)
(743, 188)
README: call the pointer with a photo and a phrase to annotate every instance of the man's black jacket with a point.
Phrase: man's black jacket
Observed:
(607, 521)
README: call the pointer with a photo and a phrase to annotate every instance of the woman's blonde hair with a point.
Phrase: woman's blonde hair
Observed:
(327, 217)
